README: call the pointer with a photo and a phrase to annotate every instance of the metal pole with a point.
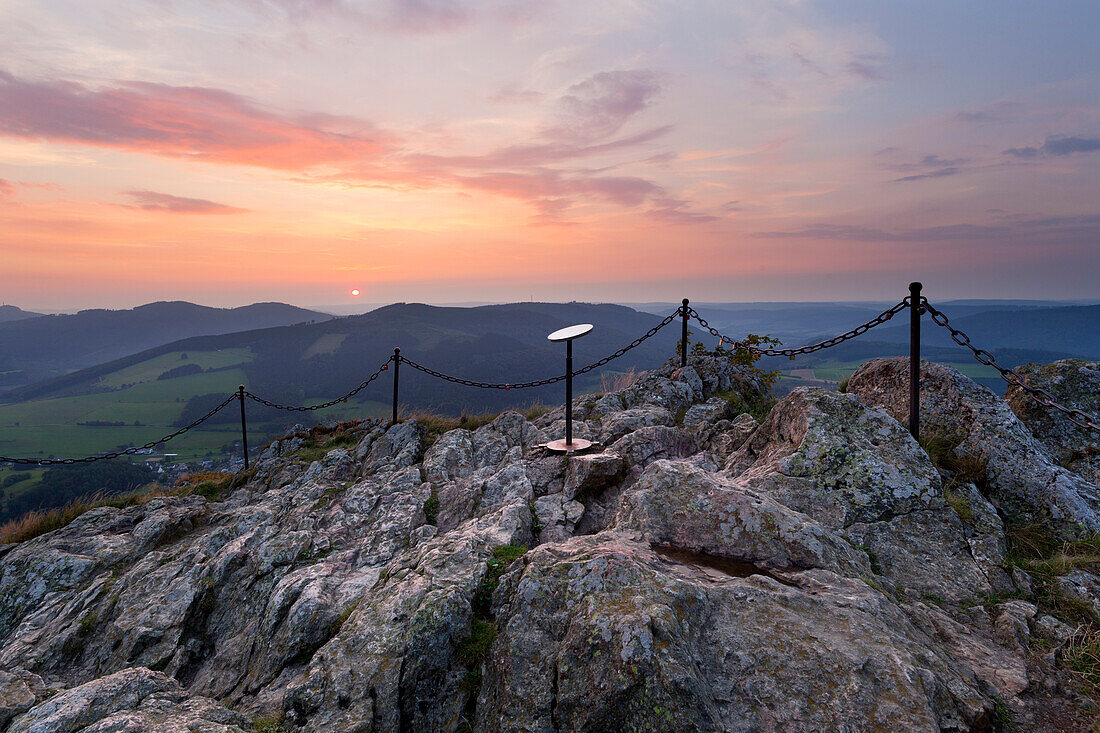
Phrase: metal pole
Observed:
(396, 373)
(684, 334)
(244, 427)
(569, 392)
(914, 359)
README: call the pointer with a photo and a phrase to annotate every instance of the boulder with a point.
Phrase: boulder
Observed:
(1074, 383)
(129, 700)
(1019, 476)
(604, 633)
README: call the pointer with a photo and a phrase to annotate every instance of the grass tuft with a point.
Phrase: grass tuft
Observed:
(502, 558)
(431, 509)
(435, 425)
(318, 446)
(474, 650)
(759, 406)
(1081, 655)
(270, 723)
(618, 381)
(214, 485)
(960, 504)
(211, 484)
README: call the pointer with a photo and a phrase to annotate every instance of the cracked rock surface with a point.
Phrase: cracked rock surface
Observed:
(701, 569)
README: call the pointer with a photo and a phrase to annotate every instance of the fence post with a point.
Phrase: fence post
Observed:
(569, 392)
(396, 374)
(244, 427)
(914, 359)
(684, 334)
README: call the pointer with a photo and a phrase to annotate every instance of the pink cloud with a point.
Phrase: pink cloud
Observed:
(213, 125)
(7, 188)
(403, 17)
(153, 201)
(600, 105)
(186, 122)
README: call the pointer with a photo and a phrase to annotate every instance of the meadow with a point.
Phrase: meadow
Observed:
(135, 407)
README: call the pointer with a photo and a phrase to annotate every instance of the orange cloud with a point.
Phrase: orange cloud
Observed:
(186, 122)
(212, 125)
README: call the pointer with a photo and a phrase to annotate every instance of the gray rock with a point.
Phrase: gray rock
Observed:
(128, 700)
(678, 505)
(806, 573)
(19, 691)
(712, 410)
(602, 633)
(1022, 479)
(1074, 383)
(1049, 628)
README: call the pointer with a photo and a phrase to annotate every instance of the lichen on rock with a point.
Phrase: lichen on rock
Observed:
(697, 570)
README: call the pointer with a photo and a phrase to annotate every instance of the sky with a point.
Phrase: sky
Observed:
(233, 151)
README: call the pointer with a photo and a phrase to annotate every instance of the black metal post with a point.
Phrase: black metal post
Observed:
(569, 392)
(914, 359)
(244, 426)
(684, 333)
(396, 373)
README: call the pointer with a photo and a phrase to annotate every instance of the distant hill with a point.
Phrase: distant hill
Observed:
(1072, 330)
(35, 348)
(11, 313)
(498, 343)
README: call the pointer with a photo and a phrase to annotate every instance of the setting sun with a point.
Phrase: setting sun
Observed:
(355, 292)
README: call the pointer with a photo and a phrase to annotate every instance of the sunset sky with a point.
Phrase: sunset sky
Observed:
(226, 152)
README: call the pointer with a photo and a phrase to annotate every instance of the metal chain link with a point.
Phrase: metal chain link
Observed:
(323, 405)
(116, 454)
(549, 380)
(1042, 396)
(859, 330)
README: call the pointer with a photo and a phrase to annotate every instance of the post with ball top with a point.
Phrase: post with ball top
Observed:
(568, 335)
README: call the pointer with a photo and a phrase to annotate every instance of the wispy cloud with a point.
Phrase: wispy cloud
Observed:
(677, 211)
(599, 106)
(406, 17)
(1034, 228)
(1057, 145)
(213, 125)
(930, 166)
(515, 95)
(7, 188)
(153, 201)
(937, 173)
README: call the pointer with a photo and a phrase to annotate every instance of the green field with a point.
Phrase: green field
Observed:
(44, 428)
(148, 371)
(19, 486)
(835, 371)
(152, 403)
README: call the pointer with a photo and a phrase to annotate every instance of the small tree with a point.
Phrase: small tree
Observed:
(744, 355)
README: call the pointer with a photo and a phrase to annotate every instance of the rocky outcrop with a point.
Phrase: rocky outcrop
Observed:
(698, 570)
(1075, 384)
(133, 699)
(1018, 474)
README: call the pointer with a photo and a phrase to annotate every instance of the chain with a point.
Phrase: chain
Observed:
(633, 344)
(1042, 396)
(549, 380)
(330, 403)
(859, 330)
(116, 454)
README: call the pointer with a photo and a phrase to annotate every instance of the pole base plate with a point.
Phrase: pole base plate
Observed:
(560, 446)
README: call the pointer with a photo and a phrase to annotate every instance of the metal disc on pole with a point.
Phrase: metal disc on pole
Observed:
(569, 443)
(570, 332)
